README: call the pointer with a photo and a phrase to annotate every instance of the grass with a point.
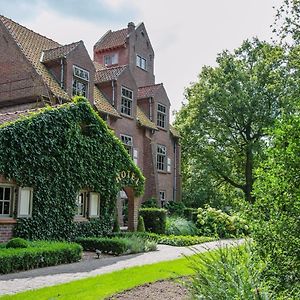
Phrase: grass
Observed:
(105, 285)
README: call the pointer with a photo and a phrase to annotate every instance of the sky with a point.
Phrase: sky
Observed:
(185, 35)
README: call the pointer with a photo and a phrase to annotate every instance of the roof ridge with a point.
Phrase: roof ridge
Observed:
(63, 46)
(111, 68)
(155, 84)
(43, 36)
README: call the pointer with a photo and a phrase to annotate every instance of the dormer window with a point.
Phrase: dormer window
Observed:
(111, 59)
(81, 79)
(161, 115)
(141, 62)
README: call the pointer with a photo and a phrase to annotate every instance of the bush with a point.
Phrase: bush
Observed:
(181, 240)
(175, 208)
(213, 222)
(141, 225)
(150, 203)
(180, 226)
(116, 227)
(17, 243)
(37, 255)
(228, 273)
(114, 246)
(190, 214)
(154, 219)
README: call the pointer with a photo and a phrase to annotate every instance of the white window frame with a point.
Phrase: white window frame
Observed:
(80, 76)
(169, 165)
(127, 141)
(29, 214)
(91, 214)
(162, 198)
(84, 204)
(141, 62)
(111, 59)
(126, 101)
(161, 152)
(11, 200)
(135, 155)
(161, 116)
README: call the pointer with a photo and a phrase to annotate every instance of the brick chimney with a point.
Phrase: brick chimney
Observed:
(131, 27)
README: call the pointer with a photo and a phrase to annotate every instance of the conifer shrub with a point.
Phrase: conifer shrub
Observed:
(154, 219)
(141, 225)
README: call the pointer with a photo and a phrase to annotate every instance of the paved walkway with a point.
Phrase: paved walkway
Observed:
(38, 278)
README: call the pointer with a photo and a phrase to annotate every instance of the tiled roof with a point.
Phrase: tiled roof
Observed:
(143, 120)
(98, 66)
(12, 116)
(174, 132)
(58, 52)
(103, 105)
(32, 44)
(112, 39)
(109, 74)
(148, 91)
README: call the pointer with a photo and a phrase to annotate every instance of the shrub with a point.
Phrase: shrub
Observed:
(213, 222)
(180, 226)
(190, 214)
(114, 246)
(150, 203)
(182, 240)
(37, 255)
(175, 208)
(227, 273)
(116, 227)
(154, 219)
(17, 243)
(141, 225)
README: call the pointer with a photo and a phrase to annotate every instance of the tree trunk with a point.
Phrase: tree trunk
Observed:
(249, 174)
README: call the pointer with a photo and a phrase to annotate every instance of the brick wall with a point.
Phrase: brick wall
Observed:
(6, 232)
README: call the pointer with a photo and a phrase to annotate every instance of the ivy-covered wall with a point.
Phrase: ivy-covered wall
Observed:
(58, 152)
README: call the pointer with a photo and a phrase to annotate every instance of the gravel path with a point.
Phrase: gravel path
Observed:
(38, 278)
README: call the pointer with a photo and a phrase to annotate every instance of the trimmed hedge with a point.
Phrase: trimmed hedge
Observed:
(17, 243)
(154, 219)
(38, 255)
(114, 246)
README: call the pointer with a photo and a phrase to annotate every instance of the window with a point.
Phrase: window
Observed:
(25, 202)
(88, 204)
(161, 156)
(162, 198)
(80, 81)
(141, 62)
(169, 165)
(6, 199)
(126, 103)
(127, 142)
(135, 156)
(111, 59)
(161, 115)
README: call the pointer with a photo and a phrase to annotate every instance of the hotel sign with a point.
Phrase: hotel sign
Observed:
(127, 175)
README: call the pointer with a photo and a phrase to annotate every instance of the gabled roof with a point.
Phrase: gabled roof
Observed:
(109, 74)
(32, 45)
(143, 120)
(103, 105)
(58, 52)
(111, 40)
(174, 132)
(148, 91)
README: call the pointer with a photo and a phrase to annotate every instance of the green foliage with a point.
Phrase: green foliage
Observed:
(190, 213)
(222, 125)
(175, 208)
(154, 219)
(141, 225)
(17, 243)
(149, 203)
(227, 274)
(181, 240)
(116, 227)
(50, 152)
(213, 222)
(276, 213)
(180, 226)
(38, 255)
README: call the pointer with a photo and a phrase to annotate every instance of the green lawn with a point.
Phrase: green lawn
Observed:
(102, 286)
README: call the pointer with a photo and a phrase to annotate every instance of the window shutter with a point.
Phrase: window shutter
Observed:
(169, 165)
(94, 205)
(25, 202)
(135, 156)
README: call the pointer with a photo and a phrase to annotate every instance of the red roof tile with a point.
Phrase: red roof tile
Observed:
(109, 74)
(112, 39)
(148, 91)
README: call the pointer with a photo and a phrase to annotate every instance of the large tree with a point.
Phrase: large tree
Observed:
(223, 125)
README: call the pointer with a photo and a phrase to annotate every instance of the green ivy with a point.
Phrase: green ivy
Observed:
(59, 151)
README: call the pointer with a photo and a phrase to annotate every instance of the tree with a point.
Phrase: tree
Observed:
(223, 124)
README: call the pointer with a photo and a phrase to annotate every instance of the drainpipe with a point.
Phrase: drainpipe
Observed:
(150, 104)
(62, 72)
(175, 171)
(113, 92)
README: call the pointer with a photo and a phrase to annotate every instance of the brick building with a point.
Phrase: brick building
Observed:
(120, 84)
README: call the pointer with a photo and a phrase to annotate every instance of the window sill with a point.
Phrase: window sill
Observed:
(127, 116)
(7, 220)
(162, 128)
(80, 219)
(142, 69)
(162, 172)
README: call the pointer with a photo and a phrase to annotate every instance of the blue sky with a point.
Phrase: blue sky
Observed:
(185, 35)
